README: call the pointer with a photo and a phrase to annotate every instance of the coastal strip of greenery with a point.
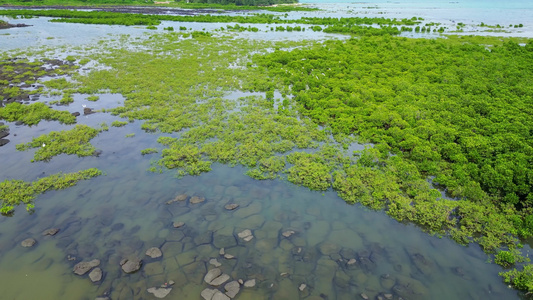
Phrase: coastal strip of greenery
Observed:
(270, 5)
(16, 192)
(115, 18)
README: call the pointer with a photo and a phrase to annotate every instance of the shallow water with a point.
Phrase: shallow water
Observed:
(122, 214)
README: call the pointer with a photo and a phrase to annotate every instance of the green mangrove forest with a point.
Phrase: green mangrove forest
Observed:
(448, 121)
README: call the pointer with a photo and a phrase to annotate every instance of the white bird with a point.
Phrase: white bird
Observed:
(44, 144)
(83, 105)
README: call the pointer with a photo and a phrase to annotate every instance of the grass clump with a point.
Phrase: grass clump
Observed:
(119, 123)
(520, 279)
(74, 141)
(148, 151)
(16, 192)
(33, 113)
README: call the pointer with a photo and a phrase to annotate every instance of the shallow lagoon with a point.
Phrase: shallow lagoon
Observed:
(124, 213)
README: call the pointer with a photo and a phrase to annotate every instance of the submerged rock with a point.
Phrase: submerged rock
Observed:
(212, 274)
(85, 266)
(245, 233)
(208, 293)
(159, 292)
(231, 206)
(214, 262)
(288, 233)
(28, 243)
(178, 198)
(249, 283)
(220, 280)
(178, 224)
(196, 200)
(154, 252)
(131, 266)
(95, 275)
(232, 289)
(220, 296)
(51, 231)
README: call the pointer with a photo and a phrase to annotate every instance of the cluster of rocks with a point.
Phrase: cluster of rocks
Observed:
(83, 267)
(313, 258)
(161, 291)
(30, 242)
(216, 278)
(184, 197)
(246, 235)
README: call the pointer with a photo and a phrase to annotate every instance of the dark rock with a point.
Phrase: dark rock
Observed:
(87, 111)
(76, 114)
(3, 142)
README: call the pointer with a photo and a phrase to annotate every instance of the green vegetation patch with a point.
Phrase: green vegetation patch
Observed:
(16, 192)
(460, 112)
(74, 141)
(352, 25)
(33, 113)
(520, 279)
(451, 109)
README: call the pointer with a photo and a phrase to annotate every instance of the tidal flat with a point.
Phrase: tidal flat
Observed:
(209, 160)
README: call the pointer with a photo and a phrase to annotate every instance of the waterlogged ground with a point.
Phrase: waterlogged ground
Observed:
(305, 245)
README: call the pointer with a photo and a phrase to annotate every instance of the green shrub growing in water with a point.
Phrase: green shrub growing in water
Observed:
(74, 141)
(33, 113)
(119, 123)
(16, 192)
